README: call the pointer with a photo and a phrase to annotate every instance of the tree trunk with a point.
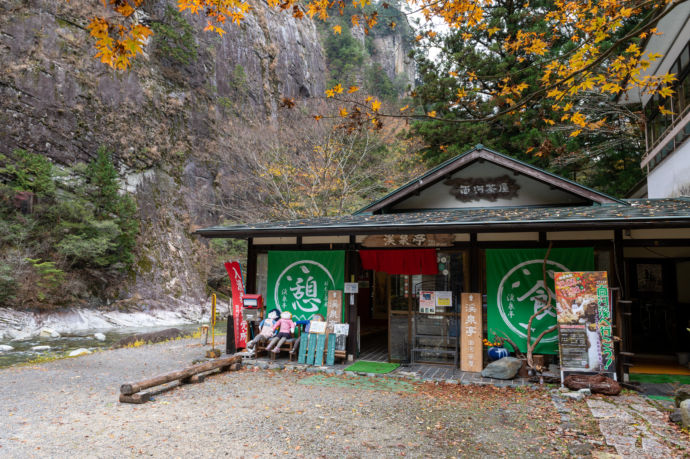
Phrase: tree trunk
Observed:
(133, 388)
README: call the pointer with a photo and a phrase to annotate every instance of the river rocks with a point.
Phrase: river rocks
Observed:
(40, 348)
(577, 396)
(99, 336)
(48, 333)
(505, 368)
(6, 348)
(78, 352)
(154, 337)
(682, 393)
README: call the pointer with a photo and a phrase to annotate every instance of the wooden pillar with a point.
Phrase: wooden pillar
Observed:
(251, 267)
(351, 274)
(474, 264)
(619, 264)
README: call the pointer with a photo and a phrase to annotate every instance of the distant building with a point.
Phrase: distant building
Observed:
(667, 157)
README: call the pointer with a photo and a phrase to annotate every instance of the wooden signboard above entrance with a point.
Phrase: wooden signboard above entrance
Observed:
(409, 240)
(471, 332)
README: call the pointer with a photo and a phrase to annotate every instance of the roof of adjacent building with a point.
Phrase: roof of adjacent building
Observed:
(629, 213)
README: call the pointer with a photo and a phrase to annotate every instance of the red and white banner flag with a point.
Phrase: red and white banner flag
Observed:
(235, 273)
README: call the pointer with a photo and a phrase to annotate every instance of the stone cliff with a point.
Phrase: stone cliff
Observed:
(172, 122)
(182, 124)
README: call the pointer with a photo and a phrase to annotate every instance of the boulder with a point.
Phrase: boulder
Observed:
(6, 348)
(685, 413)
(505, 368)
(40, 348)
(78, 352)
(99, 336)
(48, 333)
(682, 393)
(674, 416)
(154, 337)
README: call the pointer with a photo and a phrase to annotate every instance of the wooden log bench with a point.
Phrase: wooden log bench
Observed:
(131, 392)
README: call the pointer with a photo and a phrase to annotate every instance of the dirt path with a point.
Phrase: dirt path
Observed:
(69, 408)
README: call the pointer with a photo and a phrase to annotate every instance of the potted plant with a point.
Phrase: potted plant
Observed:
(496, 350)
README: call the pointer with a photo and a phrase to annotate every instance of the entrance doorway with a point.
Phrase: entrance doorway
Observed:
(656, 318)
(397, 331)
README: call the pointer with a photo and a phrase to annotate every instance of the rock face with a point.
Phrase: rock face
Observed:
(154, 337)
(505, 368)
(391, 52)
(175, 123)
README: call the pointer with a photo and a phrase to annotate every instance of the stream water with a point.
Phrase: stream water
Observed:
(58, 347)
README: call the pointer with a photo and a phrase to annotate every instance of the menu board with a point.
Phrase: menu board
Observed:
(584, 321)
(471, 351)
(573, 342)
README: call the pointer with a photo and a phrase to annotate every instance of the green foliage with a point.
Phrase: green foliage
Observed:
(28, 172)
(90, 242)
(8, 284)
(513, 133)
(174, 38)
(49, 276)
(102, 186)
(378, 83)
(591, 158)
(79, 220)
(239, 78)
(99, 227)
(345, 58)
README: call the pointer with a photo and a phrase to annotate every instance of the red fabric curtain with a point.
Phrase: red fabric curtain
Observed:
(405, 261)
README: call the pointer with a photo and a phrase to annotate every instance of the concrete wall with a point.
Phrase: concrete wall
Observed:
(671, 178)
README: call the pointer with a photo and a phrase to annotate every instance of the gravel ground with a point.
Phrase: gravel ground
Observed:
(69, 408)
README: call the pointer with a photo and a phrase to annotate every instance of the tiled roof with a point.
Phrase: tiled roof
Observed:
(632, 213)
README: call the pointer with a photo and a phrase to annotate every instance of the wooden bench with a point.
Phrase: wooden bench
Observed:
(287, 346)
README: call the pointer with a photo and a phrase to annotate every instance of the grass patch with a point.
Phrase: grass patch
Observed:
(659, 379)
(364, 366)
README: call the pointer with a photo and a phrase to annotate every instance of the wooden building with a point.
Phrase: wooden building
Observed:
(447, 231)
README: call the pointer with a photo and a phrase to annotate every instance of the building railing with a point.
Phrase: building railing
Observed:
(668, 137)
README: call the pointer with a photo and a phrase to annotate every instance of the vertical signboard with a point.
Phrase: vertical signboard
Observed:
(334, 313)
(584, 321)
(471, 332)
(240, 326)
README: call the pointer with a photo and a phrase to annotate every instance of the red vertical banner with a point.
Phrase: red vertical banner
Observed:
(235, 273)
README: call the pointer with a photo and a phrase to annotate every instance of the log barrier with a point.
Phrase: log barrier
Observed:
(129, 391)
